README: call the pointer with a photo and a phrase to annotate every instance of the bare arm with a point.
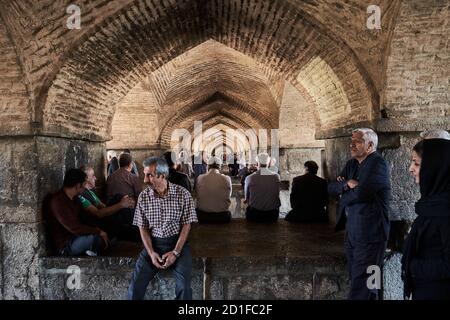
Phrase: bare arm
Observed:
(107, 211)
(183, 237)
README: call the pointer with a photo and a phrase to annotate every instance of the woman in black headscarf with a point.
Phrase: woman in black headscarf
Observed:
(426, 257)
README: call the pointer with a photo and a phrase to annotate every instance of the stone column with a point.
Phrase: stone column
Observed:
(33, 167)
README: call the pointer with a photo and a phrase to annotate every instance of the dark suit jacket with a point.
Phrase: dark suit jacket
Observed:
(309, 196)
(367, 205)
(180, 179)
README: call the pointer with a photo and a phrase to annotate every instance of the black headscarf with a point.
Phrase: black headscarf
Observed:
(434, 201)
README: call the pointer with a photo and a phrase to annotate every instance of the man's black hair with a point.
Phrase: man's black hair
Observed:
(74, 177)
(311, 166)
(168, 155)
(125, 159)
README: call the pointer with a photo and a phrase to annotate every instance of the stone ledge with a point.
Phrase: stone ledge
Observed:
(233, 261)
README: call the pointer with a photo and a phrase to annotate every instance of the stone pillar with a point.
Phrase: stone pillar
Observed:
(20, 232)
(33, 166)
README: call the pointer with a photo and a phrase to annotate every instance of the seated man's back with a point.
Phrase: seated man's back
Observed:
(121, 183)
(262, 192)
(213, 191)
(309, 197)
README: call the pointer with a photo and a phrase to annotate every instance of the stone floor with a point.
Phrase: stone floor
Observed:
(239, 260)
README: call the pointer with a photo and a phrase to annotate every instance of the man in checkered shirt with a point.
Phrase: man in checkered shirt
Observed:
(164, 213)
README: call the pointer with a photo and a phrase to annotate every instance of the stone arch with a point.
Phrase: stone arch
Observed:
(218, 104)
(104, 67)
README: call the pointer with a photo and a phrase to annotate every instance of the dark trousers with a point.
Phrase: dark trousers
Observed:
(307, 216)
(431, 290)
(80, 244)
(256, 215)
(145, 271)
(360, 256)
(120, 225)
(213, 217)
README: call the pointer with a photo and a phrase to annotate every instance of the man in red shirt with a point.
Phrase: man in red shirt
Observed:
(68, 233)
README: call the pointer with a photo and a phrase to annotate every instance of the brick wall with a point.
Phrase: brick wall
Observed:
(417, 92)
(14, 103)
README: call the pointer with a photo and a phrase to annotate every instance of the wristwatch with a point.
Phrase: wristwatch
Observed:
(176, 253)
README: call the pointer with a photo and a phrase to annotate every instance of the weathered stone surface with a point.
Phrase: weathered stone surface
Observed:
(330, 286)
(229, 278)
(104, 279)
(18, 191)
(392, 281)
(404, 191)
(21, 245)
(58, 155)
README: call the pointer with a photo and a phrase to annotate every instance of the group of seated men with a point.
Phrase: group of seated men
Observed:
(79, 222)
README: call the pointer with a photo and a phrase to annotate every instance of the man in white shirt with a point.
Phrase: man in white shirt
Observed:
(213, 191)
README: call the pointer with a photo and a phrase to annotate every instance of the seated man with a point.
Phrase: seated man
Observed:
(106, 218)
(262, 192)
(122, 182)
(213, 191)
(68, 233)
(175, 176)
(134, 169)
(164, 214)
(309, 196)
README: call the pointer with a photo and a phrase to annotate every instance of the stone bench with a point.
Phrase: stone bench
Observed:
(234, 261)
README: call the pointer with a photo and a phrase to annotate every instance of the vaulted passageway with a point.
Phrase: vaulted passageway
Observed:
(136, 71)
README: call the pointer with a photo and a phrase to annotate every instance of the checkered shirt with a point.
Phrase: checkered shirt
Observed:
(165, 216)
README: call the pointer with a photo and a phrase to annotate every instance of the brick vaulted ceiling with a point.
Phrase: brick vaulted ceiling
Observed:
(75, 78)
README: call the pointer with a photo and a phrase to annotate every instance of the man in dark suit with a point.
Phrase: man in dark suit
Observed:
(176, 177)
(365, 191)
(309, 196)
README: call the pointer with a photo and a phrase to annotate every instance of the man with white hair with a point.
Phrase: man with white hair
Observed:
(213, 191)
(435, 134)
(262, 192)
(365, 191)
